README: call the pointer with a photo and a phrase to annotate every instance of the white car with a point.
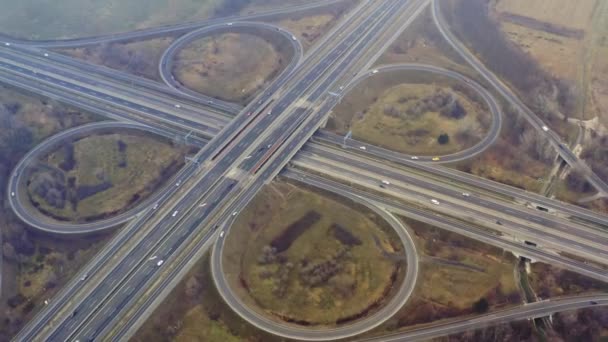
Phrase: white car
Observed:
(222, 233)
(234, 213)
(84, 277)
(384, 181)
(466, 194)
(363, 148)
(414, 158)
(179, 182)
(159, 263)
(178, 106)
(230, 24)
(153, 257)
(434, 201)
(545, 128)
(174, 213)
(155, 206)
(375, 71)
(7, 44)
(12, 194)
(46, 55)
(294, 38)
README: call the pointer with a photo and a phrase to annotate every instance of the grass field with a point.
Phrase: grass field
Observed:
(139, 58)
(38, 19)
(573, 14)
(230, 66)
(352, 275)
(400, 118)
(133, 173)
(455, 274)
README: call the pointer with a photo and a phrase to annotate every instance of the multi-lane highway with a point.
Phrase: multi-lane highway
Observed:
(113, 293)
(225, 152)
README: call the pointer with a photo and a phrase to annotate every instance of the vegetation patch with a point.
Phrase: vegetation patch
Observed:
(308, 259)
(458, 276)
(549, 281)
(427, 119)
(139, 58)
(34, 267)
(229, 66)
(102, 175)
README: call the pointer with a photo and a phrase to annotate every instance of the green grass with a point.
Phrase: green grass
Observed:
(267, 216)
(398, 133)
(146, 158)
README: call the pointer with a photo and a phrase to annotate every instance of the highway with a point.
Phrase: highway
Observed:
(561, 148)
(529, 311)
(211, 179)
(529, 224)
(20, 202)
(449, 223)
(111, 296)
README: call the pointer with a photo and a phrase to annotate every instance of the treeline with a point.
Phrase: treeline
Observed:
(472, 21)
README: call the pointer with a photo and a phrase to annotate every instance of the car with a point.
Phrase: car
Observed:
(466, 194)
(46, 55)
(12, 194)
(363, 148)
(375, 71)
(222, 233)
(178, 106)
(414, 158)
(84, 277)
(384, 181)
(341, 87)
(249, 114)
(174, 213)
(203, 205)
(210, 102)
(593, 302)
(160, 262)
(293, 38)
(152, 258)
(230, 24)
(178, 183)
(436, 158)
(268, 146)
(498, 222)
(46, 302)
(382, 186)
(234, 213)
(545, 128)
(278, 29)
(7, 44)
(269, 112)
(155, 206)
(434, 201)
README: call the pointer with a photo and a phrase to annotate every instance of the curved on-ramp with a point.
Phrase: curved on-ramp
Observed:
(37, 220)
(166, 64)
(482, 145)
(311, 334)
